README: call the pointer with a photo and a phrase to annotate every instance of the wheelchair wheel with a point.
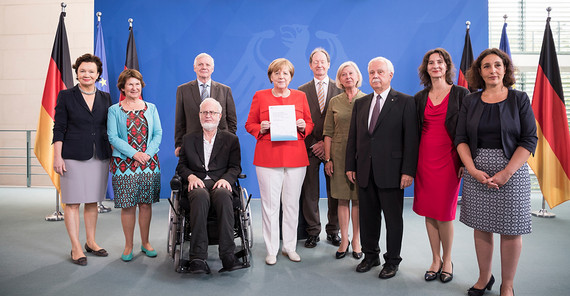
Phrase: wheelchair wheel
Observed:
(246, 219)
(172, 226)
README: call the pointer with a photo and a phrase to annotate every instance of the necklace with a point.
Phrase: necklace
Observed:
(88, 93)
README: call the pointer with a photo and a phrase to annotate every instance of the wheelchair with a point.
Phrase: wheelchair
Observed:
(179, 232)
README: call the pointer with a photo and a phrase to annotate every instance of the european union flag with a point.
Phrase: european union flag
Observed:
(103, 83)
(504, 45)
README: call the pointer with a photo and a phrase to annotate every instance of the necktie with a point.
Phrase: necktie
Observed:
(205, 92)
(375, 113)
(321, 95)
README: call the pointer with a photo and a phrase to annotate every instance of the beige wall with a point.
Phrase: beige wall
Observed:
(27, 32)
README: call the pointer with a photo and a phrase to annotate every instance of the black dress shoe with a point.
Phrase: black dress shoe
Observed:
(198, 266)
(101, 252)
(357, 255)
(334, 239)
(431, 275)
(80, 261)
(231, 263)
(340, 255)
(445, 276)
(366, 264)
(479, 292)
(312, 241)
(388, 271)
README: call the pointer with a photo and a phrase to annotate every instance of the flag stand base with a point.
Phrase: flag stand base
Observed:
(56, 216)
(543, 213)
(102, 208)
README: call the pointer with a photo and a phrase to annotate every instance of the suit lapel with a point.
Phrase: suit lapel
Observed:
(213, 90)
(218, 144)
(80, 100)
(195, 89)
(199, 146)
(330, 92)
(388, 104)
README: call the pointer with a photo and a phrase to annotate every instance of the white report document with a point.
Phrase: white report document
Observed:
(283, 123)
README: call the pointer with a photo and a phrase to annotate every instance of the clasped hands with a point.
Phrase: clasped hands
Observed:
(195, 182)
(496, 181)
(141, 158)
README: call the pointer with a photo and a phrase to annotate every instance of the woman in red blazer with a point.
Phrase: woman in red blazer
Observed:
(280, 165)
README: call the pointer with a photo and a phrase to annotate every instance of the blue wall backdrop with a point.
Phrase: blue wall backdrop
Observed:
(245, 36)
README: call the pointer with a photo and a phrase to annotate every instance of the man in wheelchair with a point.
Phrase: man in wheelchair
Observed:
(210, 161)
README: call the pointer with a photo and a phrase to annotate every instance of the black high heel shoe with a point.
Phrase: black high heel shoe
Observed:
(431, 275)
(479, 292)
(340, 255)
(445, 276)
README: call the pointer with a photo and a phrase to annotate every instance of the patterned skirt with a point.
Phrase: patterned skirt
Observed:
(133, 185)
(504, 211)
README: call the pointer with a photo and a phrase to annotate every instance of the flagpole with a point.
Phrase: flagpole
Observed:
(57, 215)
(544, 213)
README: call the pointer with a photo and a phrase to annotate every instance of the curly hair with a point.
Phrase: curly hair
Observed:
(474, 77)
(425, 79)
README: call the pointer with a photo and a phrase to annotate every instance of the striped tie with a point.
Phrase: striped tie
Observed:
(205, 93)
(321, 96)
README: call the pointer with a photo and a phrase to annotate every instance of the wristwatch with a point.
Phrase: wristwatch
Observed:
(327, 160)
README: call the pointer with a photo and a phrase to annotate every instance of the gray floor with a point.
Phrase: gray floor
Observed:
(34, 259)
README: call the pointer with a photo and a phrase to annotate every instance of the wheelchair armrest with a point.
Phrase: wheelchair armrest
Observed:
(242, 176)
(176, 182)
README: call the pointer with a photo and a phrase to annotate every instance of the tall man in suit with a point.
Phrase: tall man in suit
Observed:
(381, 157)
(210, 160)
(319, 91)
(189, 96)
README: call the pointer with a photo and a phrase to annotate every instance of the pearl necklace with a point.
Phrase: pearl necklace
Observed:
(88, 93)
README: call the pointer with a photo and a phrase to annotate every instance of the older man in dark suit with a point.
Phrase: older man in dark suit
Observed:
(210, 161)
(189, 96)
(381, 157)
(319, 91)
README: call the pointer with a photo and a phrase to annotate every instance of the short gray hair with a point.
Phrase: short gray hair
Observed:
(213, 101)
(201, 56)
(386, 61)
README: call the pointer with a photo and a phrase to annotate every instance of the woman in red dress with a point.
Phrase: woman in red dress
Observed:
(439, 168)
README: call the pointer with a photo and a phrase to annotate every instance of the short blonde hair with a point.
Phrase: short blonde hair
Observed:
(277, 65)
(344, 65)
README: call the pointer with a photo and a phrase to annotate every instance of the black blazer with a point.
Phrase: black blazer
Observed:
(456, 96)
(78, 128)
(392, 149)
(318, 118)
(225, 161)
(188, 102)
(518, 126)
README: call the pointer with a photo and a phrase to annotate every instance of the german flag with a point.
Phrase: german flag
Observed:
(132, 59)
(59, 77)
(551, 162)
(466, 60)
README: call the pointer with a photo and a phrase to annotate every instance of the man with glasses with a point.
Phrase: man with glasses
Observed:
(189, 96)
(210, 161)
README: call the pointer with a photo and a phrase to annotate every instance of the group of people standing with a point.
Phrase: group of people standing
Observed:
(372, 147)
(92, 137)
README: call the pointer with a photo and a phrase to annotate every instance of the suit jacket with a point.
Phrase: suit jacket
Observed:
(188, 101)
(225, 161)
(392, 148)
(318, 118)
(518, 126)
(79, 128)
(456, 96)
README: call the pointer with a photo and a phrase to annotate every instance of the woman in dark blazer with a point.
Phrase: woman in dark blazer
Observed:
(439, 169)
(81, 153)
(496, 133)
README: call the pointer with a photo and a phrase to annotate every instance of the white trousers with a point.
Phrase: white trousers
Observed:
(280, 185)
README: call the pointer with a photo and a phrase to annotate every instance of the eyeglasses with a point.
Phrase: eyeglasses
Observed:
(211, 113)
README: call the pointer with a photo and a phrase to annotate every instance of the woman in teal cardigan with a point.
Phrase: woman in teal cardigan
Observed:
(135, 133)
